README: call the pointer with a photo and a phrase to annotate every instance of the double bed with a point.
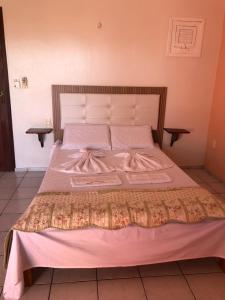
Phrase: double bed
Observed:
(96, 246)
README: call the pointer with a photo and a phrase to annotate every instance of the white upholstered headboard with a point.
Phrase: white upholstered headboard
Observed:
(109, 105)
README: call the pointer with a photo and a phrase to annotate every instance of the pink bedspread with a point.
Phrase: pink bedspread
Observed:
(91, 248)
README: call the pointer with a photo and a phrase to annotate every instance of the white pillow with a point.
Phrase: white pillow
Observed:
(130, 137)
(86, 136)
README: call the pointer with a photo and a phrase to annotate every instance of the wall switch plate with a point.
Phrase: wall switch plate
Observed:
(214, 144)
(16, 83)
(24, 83)
(48, 123)
(20, 83)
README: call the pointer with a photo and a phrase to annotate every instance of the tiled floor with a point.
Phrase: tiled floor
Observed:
(200, 279)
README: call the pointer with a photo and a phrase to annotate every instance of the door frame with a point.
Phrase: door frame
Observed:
(10, 164)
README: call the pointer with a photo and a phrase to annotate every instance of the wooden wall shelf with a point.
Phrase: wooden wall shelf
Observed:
(175, 133)
(41, 132)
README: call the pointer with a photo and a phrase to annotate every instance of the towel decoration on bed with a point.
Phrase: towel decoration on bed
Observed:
(95, 180)
(115, 209)
(114, 179)
(149, 177)
(137, 161)
(92, 162)
(86, 161)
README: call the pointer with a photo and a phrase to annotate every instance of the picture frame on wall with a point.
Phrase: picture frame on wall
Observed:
(185, 37)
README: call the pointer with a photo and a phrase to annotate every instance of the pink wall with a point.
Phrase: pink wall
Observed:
(215, 156)
(57, 42)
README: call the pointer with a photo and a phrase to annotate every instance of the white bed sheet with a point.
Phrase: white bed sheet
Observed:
(94, 247)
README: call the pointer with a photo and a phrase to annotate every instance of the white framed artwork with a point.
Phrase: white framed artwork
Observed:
(185, 37)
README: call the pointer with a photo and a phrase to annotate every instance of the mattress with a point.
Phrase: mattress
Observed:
(96, 248)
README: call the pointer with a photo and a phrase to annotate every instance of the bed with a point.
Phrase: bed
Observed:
(94, 247)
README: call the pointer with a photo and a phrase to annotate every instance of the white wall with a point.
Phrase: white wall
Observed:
(57, 42)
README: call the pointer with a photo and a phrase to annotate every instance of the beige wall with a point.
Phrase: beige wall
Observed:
(57, 42)
(215, 156)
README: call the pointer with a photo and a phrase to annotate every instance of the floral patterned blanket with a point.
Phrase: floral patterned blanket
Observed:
(115, 209)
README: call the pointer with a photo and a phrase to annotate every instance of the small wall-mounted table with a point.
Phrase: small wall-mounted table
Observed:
(41, 132)
(175, 133)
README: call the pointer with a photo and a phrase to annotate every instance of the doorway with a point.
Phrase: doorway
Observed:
(7, 158)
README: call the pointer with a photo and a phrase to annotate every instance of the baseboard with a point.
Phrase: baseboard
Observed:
(20, 169)
(41, 169)
(192, 167)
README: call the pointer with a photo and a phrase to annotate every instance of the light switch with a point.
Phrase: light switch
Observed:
(24, 83)
(16, 83)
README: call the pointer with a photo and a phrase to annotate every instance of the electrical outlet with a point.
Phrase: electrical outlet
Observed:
(48, 123)
(214, 144)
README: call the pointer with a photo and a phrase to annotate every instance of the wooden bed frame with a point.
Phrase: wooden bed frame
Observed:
(57, 90)
(28, 277)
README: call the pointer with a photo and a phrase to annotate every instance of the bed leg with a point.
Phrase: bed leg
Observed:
(28, 277)
(222, 264)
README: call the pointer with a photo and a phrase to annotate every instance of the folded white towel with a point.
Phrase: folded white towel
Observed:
(86, 162)
(140, 178)
(82, 181)
(139, 162)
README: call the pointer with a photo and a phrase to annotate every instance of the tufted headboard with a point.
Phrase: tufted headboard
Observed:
(115, 105)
